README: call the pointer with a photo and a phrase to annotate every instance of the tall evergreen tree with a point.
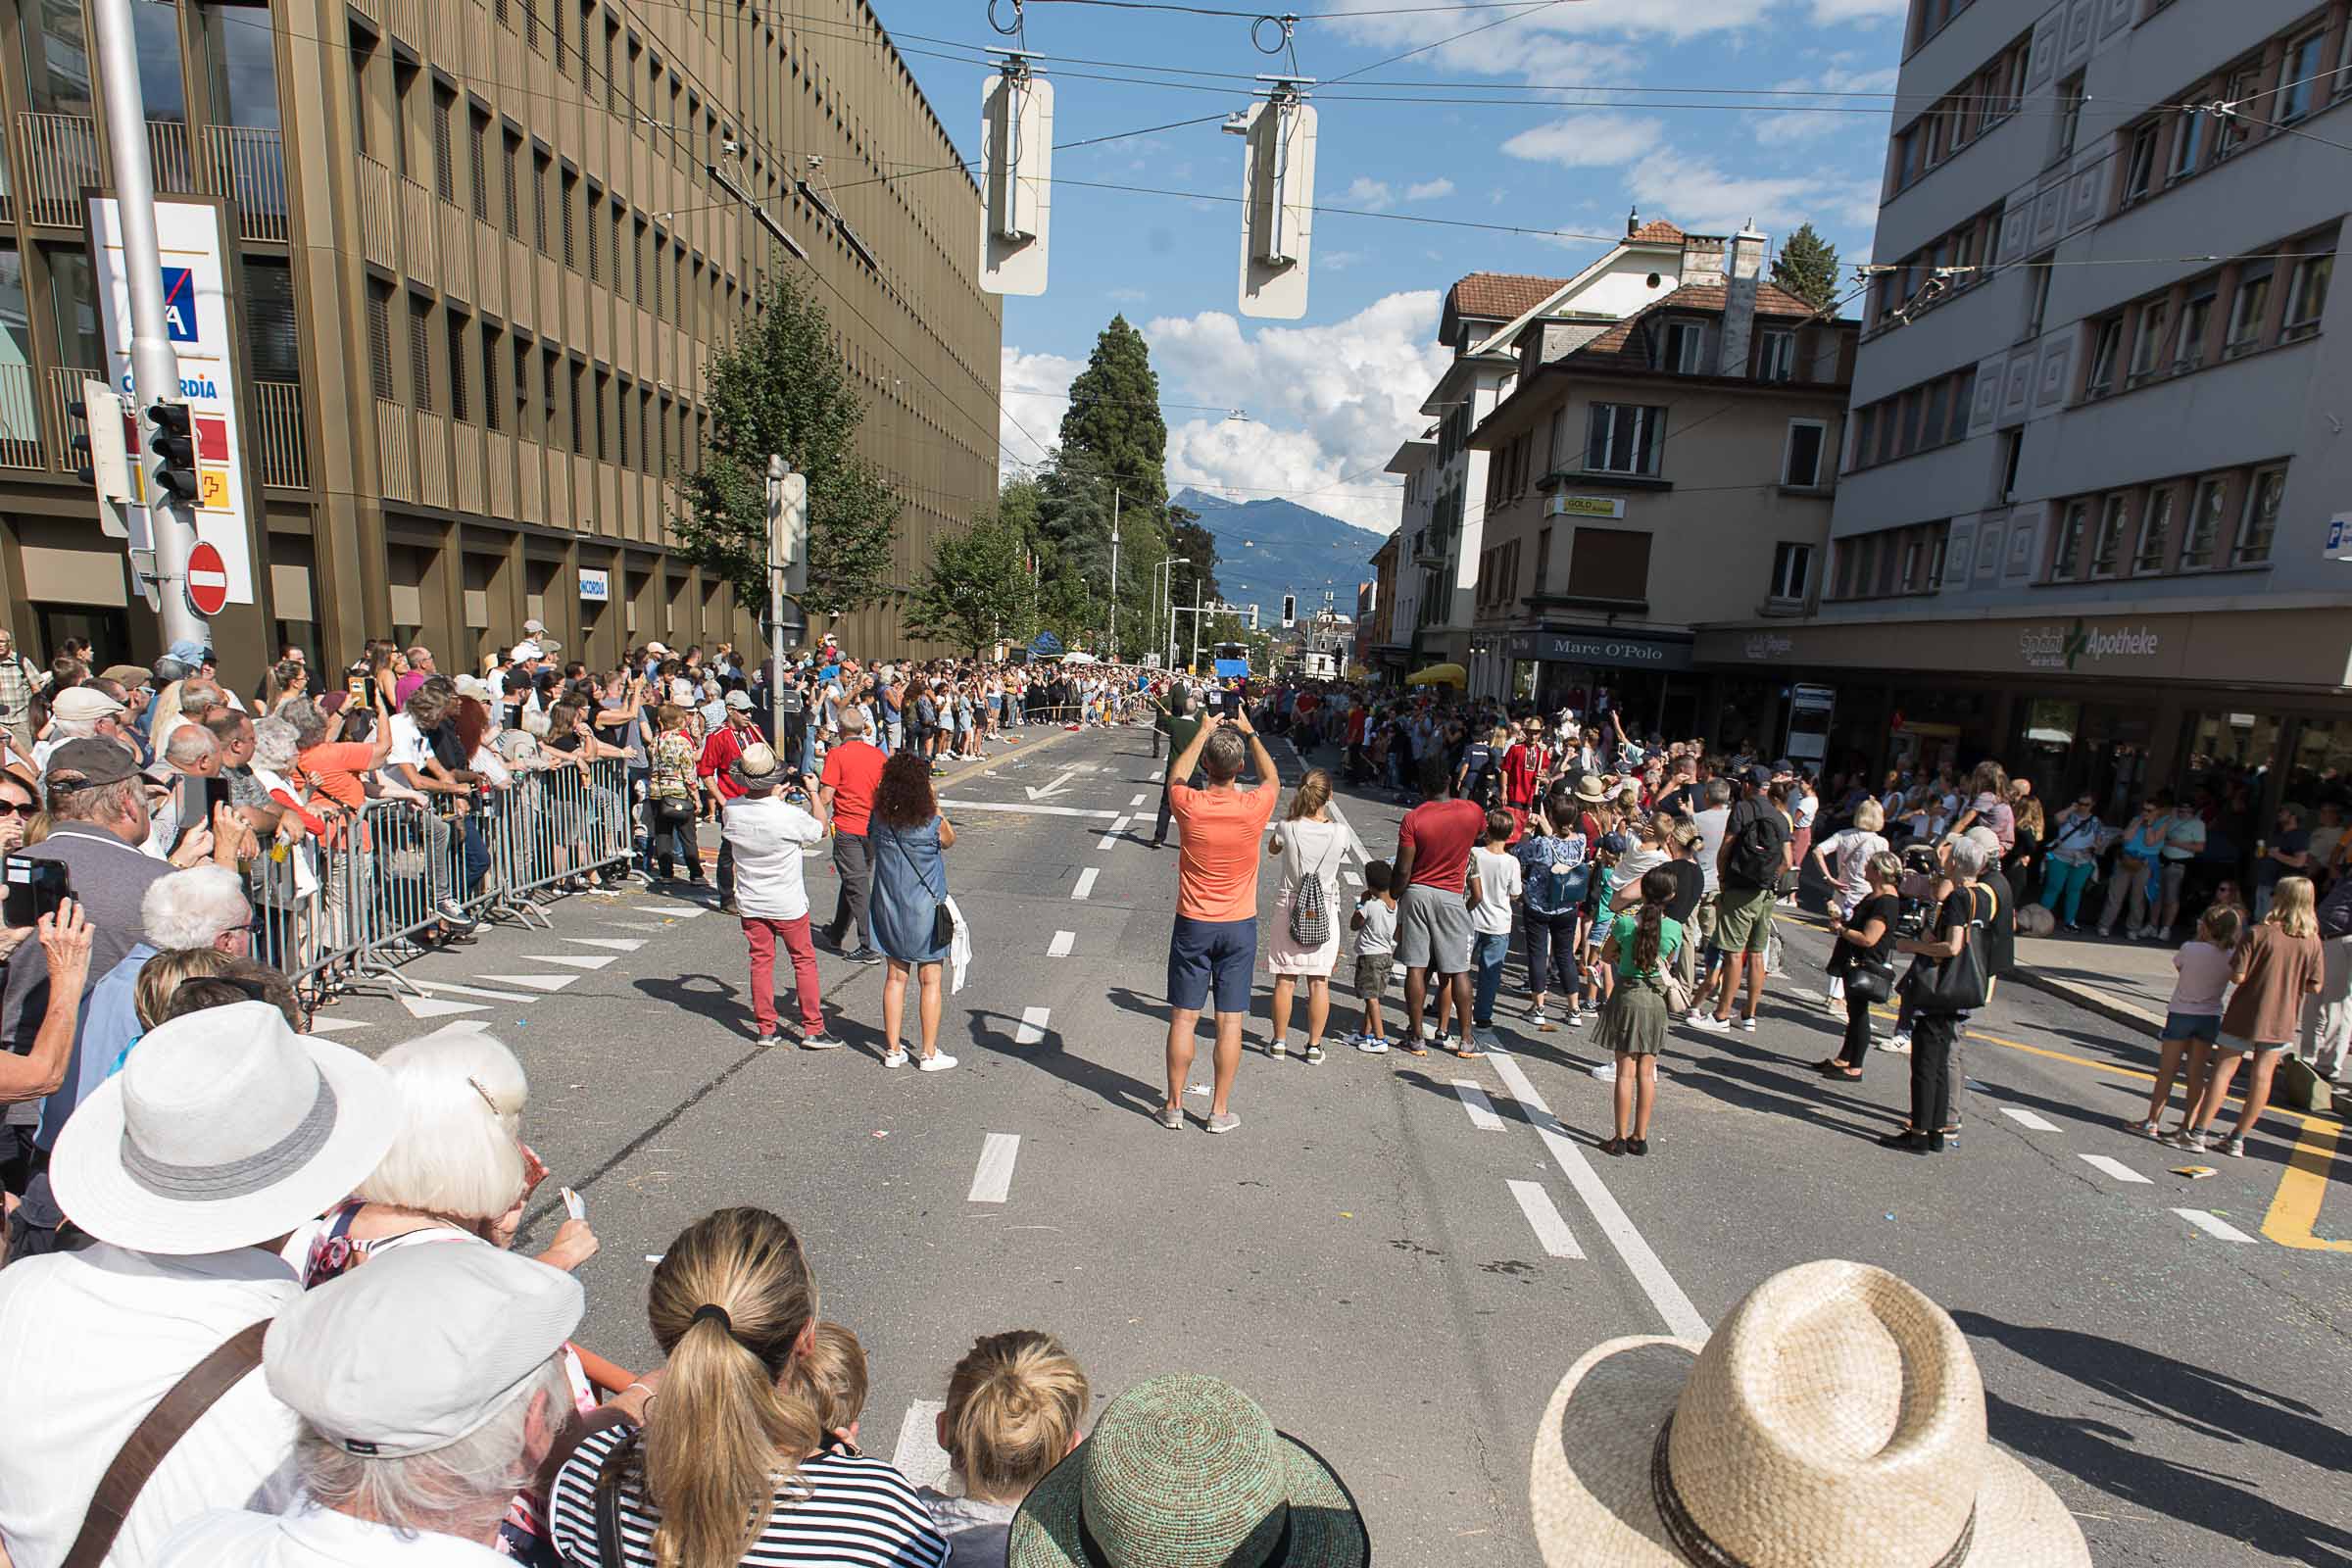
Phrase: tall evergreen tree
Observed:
(1109, 470)
(1113, 429)
(783, 389)
(1807, 267)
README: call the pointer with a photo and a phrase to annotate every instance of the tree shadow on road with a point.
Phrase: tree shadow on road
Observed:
(993, 1032)
(2210, 1405)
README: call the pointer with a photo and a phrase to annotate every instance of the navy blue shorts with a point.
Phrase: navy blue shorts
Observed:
(1206, 955)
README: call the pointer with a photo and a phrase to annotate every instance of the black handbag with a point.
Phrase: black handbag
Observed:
(1869, 981)
(943, 926)
(1957, 984)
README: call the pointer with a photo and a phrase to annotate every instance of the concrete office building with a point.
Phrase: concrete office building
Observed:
(2089, 480)
(477, 270)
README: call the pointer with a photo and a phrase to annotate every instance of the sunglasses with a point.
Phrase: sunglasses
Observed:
(18, 809)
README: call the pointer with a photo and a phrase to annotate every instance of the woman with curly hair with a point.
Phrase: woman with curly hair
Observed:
(905, 917)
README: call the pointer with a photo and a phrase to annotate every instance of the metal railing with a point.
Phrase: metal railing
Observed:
(278, 440)
(172, 163)
(248, 167)
(20, 420)
(247, 164)
(60, 160)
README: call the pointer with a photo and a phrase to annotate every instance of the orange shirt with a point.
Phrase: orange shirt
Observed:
(1216, 876)
(334, 768)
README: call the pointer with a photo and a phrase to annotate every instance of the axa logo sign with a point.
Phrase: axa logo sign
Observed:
(180, 303)
(2068, 647)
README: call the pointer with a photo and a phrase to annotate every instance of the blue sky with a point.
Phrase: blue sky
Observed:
(1555, 121)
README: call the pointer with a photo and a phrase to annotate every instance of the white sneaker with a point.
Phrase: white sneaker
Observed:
(1372, 1045)
(1606, 1072)
(1710, 1024)
(1898, 1044)
(1278, 1048)
(1540, 1021)
(893, 1058)
(937, 1061)
(1577, 1017)
(1746, 1024)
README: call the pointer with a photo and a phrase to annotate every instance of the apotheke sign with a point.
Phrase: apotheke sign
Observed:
(2072, 647)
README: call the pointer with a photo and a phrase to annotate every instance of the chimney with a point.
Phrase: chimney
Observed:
(1739, 300)
(1633, 221)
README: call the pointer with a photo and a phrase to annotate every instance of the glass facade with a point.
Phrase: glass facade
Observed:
(57, 57)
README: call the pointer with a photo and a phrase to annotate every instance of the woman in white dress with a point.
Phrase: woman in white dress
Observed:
(1311, 846)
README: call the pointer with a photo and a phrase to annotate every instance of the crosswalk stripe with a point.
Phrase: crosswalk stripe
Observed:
(531, 982)
(616, 944)
(1060, 946)
(2221, 1229)
(439, 986)
(992, 1183)
(1480, 1108)
(2027, 1118)
(676, 911)
(1032, 1027)
(1138, 801)
(1545, 1216)
(435, 1007)
(2115, 1168)
(1086, 883)
(577, 961)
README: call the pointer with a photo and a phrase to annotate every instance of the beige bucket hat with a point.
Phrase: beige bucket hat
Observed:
(1835, 1416)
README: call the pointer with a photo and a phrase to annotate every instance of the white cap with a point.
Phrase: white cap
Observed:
(421, 1348)
(534, 626)
(655, 648)
(524, 650)
(83, 704)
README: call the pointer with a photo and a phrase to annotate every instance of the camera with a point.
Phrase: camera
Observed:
(1917, 890)
(35, 888)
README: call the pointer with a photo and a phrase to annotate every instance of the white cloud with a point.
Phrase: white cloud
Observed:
(1587, 141)
(1326, 404)
(1590, 41)
(1811, 118)
(1128, 296)
(1370, 194)
(1429, 190)
(1698, 194)
(1035, 392)
(1830, 13)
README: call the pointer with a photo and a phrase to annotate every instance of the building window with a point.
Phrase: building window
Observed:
(2204, 525)
(420, 355)
(461, 402)
(2037, 295)
(2155, 531)
(2195, 320)
(2306, 297)
(1609, 563)
(542, 170)
(2140, 168)
(2247, 307)
(445, 172)
(493, 412)
(2236, 131)
(2070, 116)
(2188, 144)
(2106, 342)
(580, 408)
(2147, 347)
(569, 188)
(2260, 525)
(1685, 347)
(1776, 358)
(2301, 72)
(478, 163)
(1623, 438)
(1801, 456)
(2107, 547)
(1792, 573)
(379, 340)
(2013, 450)
(595, 212)
(512, 149)
(2067, 561)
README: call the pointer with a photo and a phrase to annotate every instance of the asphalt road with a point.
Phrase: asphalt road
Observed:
(1358, 1256)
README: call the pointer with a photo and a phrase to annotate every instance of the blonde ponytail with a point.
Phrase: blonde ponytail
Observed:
(731, 1304)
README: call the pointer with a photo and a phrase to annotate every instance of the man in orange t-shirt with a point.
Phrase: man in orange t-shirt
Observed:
(1214, 944)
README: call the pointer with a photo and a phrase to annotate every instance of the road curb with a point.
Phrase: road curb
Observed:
(948, 782)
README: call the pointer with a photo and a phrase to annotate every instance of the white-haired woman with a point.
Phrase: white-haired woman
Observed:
(1935, 1035)
(459, 1171)
(1844, 861)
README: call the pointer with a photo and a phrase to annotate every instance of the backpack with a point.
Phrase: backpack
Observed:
(1757, 857)
(1310, 913)
(2336, 910)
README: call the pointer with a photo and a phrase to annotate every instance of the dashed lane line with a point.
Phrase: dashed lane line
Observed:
(2213, 1226)
(1543, 1216)
(1682, 1319)
(1139, 799)
(2028, 1118)
(991, 1182)
(1086, 883)
(1480, 1108)
(1060, 946)
(1110, 839)
(2115, 1168)
(1032, 1028)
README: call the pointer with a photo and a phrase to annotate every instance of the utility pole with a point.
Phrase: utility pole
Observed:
(1114, 573)
(787, 572)
(154, 365)
(1196, 623)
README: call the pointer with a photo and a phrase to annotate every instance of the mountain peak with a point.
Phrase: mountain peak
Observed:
(1270, 547)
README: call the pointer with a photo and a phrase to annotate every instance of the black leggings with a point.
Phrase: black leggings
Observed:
(1935, 1072)
(1857, 1028)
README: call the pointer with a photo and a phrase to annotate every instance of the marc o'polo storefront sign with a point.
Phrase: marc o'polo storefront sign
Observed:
(1603, 649)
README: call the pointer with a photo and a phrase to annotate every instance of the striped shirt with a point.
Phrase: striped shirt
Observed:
(839, 1511)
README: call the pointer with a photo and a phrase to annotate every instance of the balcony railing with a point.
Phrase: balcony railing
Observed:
(65, 387)
(170, 161)
(245, 164)
(60, 160)
(248, 167)
(20, 420)
(377, 223)
(279, 441)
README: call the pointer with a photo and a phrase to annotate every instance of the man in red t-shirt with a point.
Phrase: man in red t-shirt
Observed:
(853, 772)
(720, 753)
(1432, 919)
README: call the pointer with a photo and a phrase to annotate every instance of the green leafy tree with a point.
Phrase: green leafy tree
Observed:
(1195, 581)
(1807, 267)
(783, 389)
(976, 589)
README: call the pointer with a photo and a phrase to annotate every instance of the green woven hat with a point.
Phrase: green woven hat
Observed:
(1187, 1472)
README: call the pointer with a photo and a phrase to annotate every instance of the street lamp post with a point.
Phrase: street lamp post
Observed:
(1163, 600)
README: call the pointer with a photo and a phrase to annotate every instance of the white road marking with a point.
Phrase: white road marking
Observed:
(533, 982)
(434, 1007)
(1480, 1108)
(1352, 879)
(1060, 946)
(615, 944)
(2220, 1229)
(2115, 1168)
(1545, 1216)
(1155, 772)
(1681, 1318)
(328, 1026)
(577, 961)
(438, 986)
(1110, 839)
(1059, 786)
(1086, 883)
(2028, 1118)
(1032, 1026)
(993, 1181)
(1139, 799)
(1023, 807)
(918, 1456)
(676, 911)
(635, 926)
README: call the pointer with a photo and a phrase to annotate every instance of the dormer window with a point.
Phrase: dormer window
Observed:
(1684, 347)
(1776, 356)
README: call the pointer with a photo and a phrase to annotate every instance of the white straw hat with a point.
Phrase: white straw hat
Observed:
(1835, 1416)
(224, 1129)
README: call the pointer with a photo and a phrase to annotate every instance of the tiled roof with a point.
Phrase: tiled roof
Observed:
(1657, 228)
(1501, 296)
(1771, 299)
(1618, 348)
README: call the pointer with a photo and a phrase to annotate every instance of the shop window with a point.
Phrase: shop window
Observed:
(2260, 525)
(2321, 759)
(2155, 531)
(2204, 525)
(1609, 563)
(2306, 297)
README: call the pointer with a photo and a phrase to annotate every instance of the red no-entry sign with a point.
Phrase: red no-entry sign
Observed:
(207, 580)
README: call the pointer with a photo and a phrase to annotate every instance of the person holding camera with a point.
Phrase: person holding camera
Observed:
(764, 828)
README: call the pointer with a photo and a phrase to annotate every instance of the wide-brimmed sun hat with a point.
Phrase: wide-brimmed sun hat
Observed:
(1186, 1471)
(1835, 1416)
(757, 767)
(1590, 789)
(223, 1130)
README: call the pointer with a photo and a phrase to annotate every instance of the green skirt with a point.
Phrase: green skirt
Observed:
(1634, 1024)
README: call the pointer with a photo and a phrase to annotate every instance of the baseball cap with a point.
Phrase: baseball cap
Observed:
(1759, 775)
(420, 1349)
(658, 647)
(127, 674)
(524, 650)
(534, 626)
(472, 686)
(740, 701)
(82, 703)
(189, 651)
(91, 761)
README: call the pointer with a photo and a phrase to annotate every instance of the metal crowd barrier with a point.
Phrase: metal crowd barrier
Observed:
(359, 905)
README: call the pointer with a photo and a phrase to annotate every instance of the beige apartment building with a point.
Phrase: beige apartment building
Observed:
(481, 254)
(1651, 475)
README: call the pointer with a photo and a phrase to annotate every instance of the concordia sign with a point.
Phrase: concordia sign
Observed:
(2064, 648)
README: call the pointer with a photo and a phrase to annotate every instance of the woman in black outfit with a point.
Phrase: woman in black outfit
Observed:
(1864, 940)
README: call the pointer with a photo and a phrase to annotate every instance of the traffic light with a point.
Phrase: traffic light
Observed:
(1290, 609)
(174, 442)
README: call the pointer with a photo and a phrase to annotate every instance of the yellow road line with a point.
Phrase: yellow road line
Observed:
(2045, 1051)
(2296, 1207)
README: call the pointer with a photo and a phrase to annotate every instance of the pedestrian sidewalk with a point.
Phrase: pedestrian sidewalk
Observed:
(2128, 982)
